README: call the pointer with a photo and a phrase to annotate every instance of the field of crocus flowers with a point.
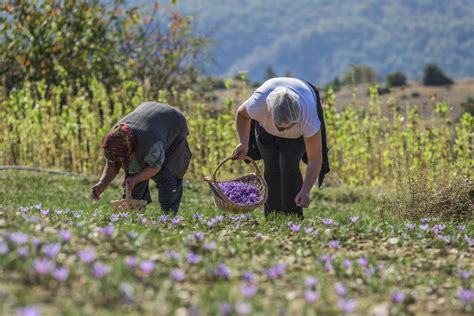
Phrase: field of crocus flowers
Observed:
(61, 253)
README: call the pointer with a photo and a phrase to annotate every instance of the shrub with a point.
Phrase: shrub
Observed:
(396, 79)
(434, 76)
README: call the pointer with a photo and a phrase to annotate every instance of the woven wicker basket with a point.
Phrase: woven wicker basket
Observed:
(222, 202)
(128, 204)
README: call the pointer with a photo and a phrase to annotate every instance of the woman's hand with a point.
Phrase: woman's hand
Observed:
(240, 152)
(97, 190)
(302, 198)
(129, 183)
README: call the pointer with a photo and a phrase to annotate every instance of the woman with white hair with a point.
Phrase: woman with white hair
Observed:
(288, 127)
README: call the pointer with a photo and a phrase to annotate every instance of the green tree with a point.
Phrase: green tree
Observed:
(360, 74)
(434, 76)
(396, 79)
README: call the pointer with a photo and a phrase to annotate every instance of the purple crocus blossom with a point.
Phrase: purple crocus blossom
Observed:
(177, 275)
(240, 193)
(248, 276)
(340, 290)
(23, 252)
(243, 308)
(107, 230)
(424, 227)
(210, 246)
(327, 221)
(176, 220)
(438, 228)
(468, 240)
(354, 219)
(363, 261)
(28, 311)
(226, 309)
(221, 271)
(127, 291)
(51, 250)
(114, 217)
(311, 282)
(425, 220)
(131, 262)
(308, 230)
(99, 270)
(334, 244)
(294, 227)
(3, 248)
(197, 216)
(466, 295)
(172, 255)
(19, 238)
(60, 274)
(45, 212)
(276, 271)
(347, 264)
(193, 258)
(248, 289)
(163, 218)
(410, 226)
(65, 235)
(147, 266)
(461, 228)
(132, 234)
(42, 266)
(87, 256)
(36, 241)
(347, 306)
(310, 296)
(464, 274)
(398, 297)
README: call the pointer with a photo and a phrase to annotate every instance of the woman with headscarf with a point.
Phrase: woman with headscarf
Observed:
(149, 143)
(288, 127)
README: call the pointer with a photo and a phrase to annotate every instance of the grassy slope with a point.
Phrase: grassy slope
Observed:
(424, 268)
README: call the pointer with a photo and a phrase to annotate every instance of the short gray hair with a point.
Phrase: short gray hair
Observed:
(284, 106)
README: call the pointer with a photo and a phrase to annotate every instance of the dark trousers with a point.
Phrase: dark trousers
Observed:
(281, 157)
(170, 190)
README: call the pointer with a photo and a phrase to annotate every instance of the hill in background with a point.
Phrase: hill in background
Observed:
(319, 39)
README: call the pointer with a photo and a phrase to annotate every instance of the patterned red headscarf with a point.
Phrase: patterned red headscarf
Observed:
(119, 143)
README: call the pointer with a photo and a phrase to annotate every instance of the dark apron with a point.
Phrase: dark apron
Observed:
(257, 131)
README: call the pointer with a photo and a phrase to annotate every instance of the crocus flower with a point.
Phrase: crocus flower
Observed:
(425, 220)
(276, 271)
(87, 256)
(243, 308)
(3, 248)
(114, 217)
(466, 295)
(311, 282)
(221, 271)
(347, 306)
(28, 311)
(328, 221)
(19, 238)
(42, 266)
(23, 252)
(177, 275)
(240, 193)
(176, 220)
(461, 228)
(210, 246)
(464, 274)
(308, 230)
(334, 244)
(127, 290)
(294, 227)
(410, 225)
(438, 228)
(424, 227)
(248, 289)
(398, 297)
(51, 250)
(363, 261)
(310, 296)
(147, 266)
(38, 206)
(65, 235)
(341, 290)
(347, 264)
(226, 309)
(132, 262)
(99, 270)
(468, 240)
(248, 276)
(163, 218)
(172, 255)
(107, 230)
(354, 219)
(60, 274)
(194, 258)
(197, 216)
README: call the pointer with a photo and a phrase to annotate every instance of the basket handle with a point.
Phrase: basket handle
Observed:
(257, 170)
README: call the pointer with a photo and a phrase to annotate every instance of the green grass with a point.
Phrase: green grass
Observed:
(422, 266)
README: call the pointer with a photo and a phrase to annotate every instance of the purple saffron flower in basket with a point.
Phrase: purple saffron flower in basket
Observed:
(240, 193)
(51, 250)
(99, 270)
(177, 275)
